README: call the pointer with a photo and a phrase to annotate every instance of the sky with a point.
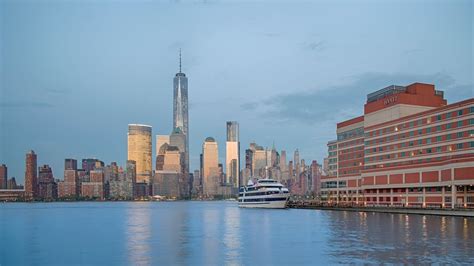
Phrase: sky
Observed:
(74, 74)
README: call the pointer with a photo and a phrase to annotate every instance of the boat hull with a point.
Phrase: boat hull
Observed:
(265, 204)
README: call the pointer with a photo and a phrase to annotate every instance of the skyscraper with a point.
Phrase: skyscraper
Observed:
(210, 165)
(180, 109)
(3, 176)
(139, 150)
(296, 161)
(31, 182)
(283, 161)
(233, 154)
(47, 188)
(259, 163)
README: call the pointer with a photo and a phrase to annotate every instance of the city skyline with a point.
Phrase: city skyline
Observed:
(65, 107)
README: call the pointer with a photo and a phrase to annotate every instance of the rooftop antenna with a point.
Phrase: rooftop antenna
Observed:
(179, 60)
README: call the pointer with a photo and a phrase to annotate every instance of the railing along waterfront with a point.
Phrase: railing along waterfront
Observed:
(321, 204)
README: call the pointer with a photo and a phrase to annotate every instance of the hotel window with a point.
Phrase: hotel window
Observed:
(439, 138)
(471, 109)
(403, 144)
(448, 137)
(471, 121)
(460, 112)
(420, 141)
(438, 117)
(448, 115)
(459, 123)
(402, 154)
(471, 133)
(412, 123)
(412, 133)
(410, 143)
(438, 149)
(420, 122)
(471, 144)
(448, 125)
(428, 141)
(458, 146)
(420, 131)
(438, 128)
(429, 150)
(459, 134)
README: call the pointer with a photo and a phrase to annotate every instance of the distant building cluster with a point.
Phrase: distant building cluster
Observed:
(301, 178)
(93, 181)
(410, 148)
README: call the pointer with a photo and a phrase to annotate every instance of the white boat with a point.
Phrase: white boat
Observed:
(264, 193)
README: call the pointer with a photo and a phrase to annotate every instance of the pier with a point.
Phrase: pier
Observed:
(458, 211)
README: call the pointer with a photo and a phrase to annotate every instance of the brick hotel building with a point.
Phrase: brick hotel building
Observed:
(410, 148)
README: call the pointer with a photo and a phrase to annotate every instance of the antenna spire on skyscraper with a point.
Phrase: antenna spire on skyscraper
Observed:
(179, 60)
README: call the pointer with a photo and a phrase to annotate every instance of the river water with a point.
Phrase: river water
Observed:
(218, 233)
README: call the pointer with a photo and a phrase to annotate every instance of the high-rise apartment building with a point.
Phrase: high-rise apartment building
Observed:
(89, 164)
(210, 165)
(180, 108)
(70, 164)
(3, 176)
(140, 150)
(70, 187)
(31, 174)
(122, 185)
(410, 148)
(233, 155)
(95, 187)
(47, 188)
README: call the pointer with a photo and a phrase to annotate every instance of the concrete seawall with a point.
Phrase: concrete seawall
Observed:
(421, 211)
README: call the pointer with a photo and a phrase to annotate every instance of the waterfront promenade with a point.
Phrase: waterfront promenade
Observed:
(460, 212)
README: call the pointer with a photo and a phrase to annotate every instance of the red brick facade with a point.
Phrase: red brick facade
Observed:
(424, 156)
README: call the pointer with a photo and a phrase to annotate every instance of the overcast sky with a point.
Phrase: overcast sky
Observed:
(75, 73)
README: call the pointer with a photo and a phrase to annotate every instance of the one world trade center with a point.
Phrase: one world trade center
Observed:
(180, 109)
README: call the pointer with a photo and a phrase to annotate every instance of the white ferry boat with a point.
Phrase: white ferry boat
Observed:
(265, 193)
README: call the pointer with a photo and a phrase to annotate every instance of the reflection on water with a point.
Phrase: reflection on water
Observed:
(410, 239)
(138, 233)
(211, 222)
(217, 233)
(232, 235)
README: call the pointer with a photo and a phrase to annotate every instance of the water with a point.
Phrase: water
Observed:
(216, 233)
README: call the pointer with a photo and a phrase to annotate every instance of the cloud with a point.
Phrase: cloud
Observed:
(315, 46)
(345, 101)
